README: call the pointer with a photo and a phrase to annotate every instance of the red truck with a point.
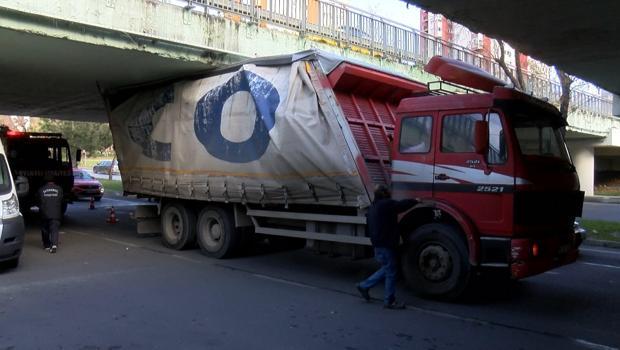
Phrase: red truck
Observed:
(293, 146)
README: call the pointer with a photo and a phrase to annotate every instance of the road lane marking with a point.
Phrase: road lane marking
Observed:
(594, 346)
(185, 258)
(601, 265)
(552, 273)
(600, 251)
(280, 280)
(65, 280)
(106, 239)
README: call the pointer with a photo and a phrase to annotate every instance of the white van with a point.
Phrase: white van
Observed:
(11, 220)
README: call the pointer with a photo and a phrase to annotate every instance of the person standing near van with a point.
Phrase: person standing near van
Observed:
(382, 223)
(50, 209)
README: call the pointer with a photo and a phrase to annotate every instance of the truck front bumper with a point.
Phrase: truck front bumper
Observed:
(533, 256)
(11, 238)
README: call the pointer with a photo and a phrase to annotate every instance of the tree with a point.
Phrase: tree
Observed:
(88, 136)
(516, 77)
(565, 84)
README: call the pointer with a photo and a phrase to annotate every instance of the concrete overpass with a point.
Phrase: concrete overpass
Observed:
(56, 55)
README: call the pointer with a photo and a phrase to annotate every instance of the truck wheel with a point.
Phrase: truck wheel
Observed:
(435, 262)
(178, 226)
(216, 233)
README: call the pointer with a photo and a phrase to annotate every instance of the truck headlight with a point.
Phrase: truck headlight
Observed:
(10, 208)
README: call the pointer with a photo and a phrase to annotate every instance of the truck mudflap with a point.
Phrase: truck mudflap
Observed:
(534, 256)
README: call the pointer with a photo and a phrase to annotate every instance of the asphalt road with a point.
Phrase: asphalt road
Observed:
(601, 211)
(108, 289)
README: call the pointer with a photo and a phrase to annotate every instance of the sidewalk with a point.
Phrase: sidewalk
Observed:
(603, 199)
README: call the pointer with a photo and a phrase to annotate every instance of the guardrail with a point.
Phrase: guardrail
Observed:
(385, 38)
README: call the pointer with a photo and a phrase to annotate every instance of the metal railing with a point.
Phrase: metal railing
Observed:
(385, 38)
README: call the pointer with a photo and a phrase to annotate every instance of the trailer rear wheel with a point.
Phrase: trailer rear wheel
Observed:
(216, 232)
(178, 226)
(435, 262)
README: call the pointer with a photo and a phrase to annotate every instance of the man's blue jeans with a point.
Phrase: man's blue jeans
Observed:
(387, 272)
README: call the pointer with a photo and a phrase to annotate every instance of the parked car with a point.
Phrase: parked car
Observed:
(103, 167)
(85, 185)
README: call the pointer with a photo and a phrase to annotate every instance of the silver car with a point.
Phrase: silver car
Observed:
(11, 220)
(103, 167)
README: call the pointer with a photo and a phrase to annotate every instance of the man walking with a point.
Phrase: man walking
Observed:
(50, 209)
(382, 221)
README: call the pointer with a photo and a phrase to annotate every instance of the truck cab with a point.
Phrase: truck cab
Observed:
(31, 157)
(495, 172)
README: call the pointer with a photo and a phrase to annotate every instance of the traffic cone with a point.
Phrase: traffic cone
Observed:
(112, 217)
(91, 205)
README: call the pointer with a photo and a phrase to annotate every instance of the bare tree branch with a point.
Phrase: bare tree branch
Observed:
(501, 60)
(519, 70)
(565, 84)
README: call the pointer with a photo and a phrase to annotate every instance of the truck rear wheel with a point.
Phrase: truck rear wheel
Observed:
(435, 262)
(216, 232)
(178, 226)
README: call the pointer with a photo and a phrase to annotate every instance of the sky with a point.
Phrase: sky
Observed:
(395, 10)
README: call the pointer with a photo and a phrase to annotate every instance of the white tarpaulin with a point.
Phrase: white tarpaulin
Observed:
(255, 135)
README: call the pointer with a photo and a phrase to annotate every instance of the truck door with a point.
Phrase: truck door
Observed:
(413, 157)
(478, 185)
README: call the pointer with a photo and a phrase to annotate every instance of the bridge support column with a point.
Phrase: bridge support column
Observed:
(583, 157)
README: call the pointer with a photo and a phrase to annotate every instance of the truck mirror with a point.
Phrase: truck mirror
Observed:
(481, 137)
(78, 155)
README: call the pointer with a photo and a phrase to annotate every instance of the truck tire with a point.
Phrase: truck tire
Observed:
(178, 226)
(216, 233)
(435, 262)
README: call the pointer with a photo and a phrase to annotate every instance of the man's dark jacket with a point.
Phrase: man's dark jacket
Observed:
(382, 221)
(50, 196)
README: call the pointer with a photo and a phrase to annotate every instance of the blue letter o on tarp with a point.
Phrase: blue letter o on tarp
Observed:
(208, 118)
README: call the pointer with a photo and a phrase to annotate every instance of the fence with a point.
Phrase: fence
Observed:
(380, 36)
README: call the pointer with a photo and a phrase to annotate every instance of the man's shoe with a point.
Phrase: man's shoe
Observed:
(53, 249)
(47, 249)
(363, 292)
(395, 305)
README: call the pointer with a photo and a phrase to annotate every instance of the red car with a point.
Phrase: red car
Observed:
(85, 185)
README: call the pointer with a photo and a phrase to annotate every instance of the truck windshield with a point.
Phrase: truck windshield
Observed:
(539, 137)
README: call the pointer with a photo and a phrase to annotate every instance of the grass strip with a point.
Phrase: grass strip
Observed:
(602, 230)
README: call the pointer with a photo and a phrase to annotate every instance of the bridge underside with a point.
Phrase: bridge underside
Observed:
(64, 84)
(54, 67)
(581, 37)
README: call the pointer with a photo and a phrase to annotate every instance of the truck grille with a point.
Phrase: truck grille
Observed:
(546, 207)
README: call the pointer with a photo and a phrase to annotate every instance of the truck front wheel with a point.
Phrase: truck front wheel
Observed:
(435, 262)
(178, 226)
(216, 232)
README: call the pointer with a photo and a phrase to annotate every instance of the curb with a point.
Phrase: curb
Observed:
(601, 243)
(602, 199)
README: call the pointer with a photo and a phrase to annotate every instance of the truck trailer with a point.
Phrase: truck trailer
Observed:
(293, 146)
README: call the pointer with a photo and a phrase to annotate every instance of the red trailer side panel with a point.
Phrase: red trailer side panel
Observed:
(368, 100)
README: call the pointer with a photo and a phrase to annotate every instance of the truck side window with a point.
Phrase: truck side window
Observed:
(497, 141)
(457, 135)
(415, 134)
